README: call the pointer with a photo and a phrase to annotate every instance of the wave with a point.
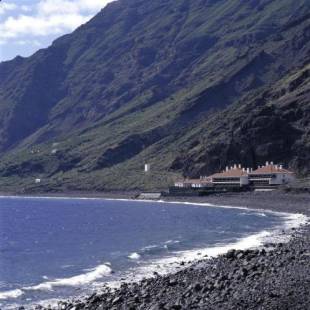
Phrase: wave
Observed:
(172, 263)
(261, 214)
(11, 294)
(151, 248)
(90, 276)
(172, 242)
(158, 248)
(79, 280)
(134, 256)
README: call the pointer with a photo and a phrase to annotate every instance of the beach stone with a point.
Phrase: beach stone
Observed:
(240, 255)
(117, 300)
(155, 307)
(172, 282)
(273, 295)
(214, 275)
(231, 254)
(198, 287)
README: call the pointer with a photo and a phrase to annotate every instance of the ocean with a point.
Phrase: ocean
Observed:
(58, 248)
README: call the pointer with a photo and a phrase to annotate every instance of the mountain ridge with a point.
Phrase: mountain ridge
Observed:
(130, 84)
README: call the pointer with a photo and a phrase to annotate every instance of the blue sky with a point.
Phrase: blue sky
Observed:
(28, 25)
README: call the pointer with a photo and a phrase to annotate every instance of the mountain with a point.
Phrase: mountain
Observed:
(187, 86)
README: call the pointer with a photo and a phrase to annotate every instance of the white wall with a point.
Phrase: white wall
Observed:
(244, 180)
(282, 178)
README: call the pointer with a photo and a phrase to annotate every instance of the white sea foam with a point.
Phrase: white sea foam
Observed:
(79, 280)
(172, 242)
(90, 276)
(261, 214)
(2, 284)
(134, 256)
(150, 247)
(66, 266)
(172, 263)
(11, 294)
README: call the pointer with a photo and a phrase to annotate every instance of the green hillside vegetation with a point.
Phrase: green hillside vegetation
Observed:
(187, 86)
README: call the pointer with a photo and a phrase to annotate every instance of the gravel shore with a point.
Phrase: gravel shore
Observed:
(276, 276)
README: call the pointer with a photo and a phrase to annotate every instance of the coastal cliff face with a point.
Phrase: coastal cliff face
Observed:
(187, 86)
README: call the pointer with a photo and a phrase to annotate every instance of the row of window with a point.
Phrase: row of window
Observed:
(226, 180)
(263, 176)
(261, 182)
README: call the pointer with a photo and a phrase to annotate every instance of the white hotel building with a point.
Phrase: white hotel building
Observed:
(268, 175)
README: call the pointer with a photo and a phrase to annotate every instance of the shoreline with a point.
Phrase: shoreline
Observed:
(244, 200)
(211, 283)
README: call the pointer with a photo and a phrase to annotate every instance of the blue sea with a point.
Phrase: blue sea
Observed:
(56, 248)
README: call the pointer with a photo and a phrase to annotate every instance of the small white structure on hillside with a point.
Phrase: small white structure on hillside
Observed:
(37, 181)
(147, 168)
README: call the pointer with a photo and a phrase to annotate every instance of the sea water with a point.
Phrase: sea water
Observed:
(57, 248)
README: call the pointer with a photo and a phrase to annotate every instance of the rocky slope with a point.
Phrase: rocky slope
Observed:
(273, 124)
(188, 86)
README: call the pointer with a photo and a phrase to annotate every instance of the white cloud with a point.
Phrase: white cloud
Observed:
(47, 17)
(48, 7)
(6, 7)
(28, 42)
(25, 8)
(23, 25)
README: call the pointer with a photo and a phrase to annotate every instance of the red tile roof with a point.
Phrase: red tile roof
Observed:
(197, 181)
(270, 169)
(232, 173)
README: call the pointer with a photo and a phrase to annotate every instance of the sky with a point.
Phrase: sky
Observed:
(28, 25)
